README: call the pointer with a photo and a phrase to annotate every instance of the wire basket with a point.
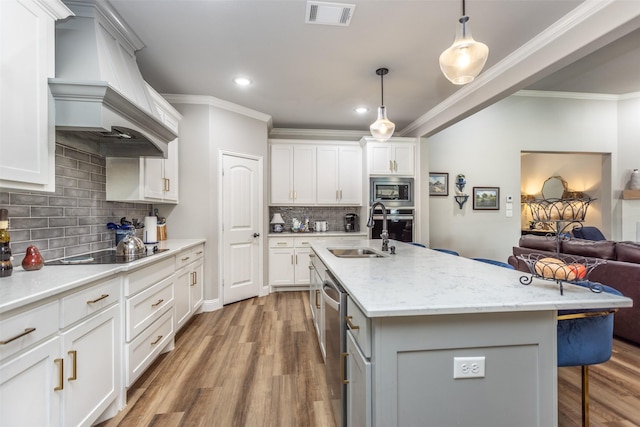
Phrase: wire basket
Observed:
(559, 209)
(566, 268)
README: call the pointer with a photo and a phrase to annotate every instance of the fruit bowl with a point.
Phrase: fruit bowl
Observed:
(564, 268)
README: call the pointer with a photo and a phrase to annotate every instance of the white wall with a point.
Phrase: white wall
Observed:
(487, 146)
(206, 129)
(627, 212)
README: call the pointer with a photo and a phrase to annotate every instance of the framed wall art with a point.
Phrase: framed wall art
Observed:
(438, 184)
(486, 198)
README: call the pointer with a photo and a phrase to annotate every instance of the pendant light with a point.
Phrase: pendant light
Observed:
(463, 61)
(382, 129)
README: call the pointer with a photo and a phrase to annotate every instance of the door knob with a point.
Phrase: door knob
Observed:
(256, 234)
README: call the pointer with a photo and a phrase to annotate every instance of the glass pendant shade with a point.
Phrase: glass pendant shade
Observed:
(382, 128)
(463, 61)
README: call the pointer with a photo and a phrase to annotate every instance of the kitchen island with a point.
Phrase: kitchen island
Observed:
(416, 314)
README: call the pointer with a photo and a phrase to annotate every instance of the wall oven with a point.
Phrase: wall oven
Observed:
(392, 191)
(399, 224)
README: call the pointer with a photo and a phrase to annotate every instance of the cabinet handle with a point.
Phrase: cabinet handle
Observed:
(168, 181)
(296, 259)
(60, 364)
(157, 340)
(100, 298)
(74, 365)
(194, 278)
(391, 165)
(26, 332)
(337, 194)
(292, 259)
(340, 194)
(317, 296)
(343, 361)
(349, 324)
(160, 301)
(185, 258)
(281, 243)
(199, 252)
(395, 166)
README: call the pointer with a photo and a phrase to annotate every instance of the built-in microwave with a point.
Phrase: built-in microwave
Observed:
(392, 191)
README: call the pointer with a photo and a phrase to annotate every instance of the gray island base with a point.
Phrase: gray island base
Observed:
(439, 340)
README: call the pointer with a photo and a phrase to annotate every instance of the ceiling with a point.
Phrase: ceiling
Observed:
(309, 76)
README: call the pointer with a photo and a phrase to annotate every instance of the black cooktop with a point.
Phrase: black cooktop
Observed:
(107, 256)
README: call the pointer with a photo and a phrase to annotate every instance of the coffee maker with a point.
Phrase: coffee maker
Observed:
(351, 223)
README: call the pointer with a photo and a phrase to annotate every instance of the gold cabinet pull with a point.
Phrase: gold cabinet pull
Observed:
(395, 166)
(74, 365)
(100, 298)
(350, 324)
(185, 258)
(343, 361)
(291, 259)
(168, 184)
(317, 296)
(20, 335)
(199, 252)
(157, 340)
(60, 364)
(391, 165)
(281, 243)
(160, 301)
(296, 259)
(194, 278)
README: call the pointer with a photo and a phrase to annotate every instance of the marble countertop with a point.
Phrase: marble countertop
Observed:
(419, 281)
(25, 287)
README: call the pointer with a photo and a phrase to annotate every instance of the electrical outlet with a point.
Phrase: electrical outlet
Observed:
(468, 367)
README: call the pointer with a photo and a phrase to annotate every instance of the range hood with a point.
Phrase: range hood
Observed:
(98, 90)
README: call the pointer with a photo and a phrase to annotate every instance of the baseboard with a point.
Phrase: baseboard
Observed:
(212, 305)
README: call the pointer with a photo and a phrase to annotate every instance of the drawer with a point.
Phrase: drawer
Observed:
(142, 351)
(280, 242)
(360, 327)
(141, 279)
(147, 306)
(188, 256)
(89, 300)
(318, 266)
(21, 330)
(304, 242)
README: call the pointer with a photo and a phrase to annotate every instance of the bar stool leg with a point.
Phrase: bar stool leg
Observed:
(585, 396)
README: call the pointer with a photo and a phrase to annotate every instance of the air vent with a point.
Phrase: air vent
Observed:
(329, 13)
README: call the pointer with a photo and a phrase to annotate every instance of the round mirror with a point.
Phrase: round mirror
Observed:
(554, 188)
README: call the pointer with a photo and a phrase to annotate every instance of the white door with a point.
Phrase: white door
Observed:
(241, 201)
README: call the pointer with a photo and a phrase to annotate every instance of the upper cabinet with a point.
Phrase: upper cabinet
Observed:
(315, 173)
(293, 174)
(391, 157)
(27, 122)
(339, 175)
(147, 179)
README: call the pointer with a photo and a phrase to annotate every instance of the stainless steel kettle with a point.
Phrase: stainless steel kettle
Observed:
(130, 247)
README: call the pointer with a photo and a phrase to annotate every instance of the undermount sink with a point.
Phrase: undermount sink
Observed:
(355, 253)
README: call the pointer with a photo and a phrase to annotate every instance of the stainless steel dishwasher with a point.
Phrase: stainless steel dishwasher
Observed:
(335, 307)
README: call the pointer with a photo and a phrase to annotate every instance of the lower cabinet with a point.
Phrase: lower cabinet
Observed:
(358, 385)
(316, 303)
(189, 285)
(72, 376)
(289, 261)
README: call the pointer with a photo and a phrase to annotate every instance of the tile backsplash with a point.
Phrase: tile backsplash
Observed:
(334, 215)
(73, 219)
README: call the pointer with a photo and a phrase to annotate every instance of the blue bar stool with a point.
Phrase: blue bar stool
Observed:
(585, 337)
(494, 262)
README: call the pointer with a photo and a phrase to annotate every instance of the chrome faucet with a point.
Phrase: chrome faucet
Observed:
(385, 234)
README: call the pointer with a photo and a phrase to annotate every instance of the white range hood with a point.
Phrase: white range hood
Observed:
(98, 88)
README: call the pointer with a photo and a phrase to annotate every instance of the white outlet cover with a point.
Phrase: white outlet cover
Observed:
(468, 367)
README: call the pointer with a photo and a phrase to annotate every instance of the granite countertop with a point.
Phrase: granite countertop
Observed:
(419, 281)
(25, 287)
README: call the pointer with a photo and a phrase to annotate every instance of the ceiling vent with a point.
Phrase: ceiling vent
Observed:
(329, 13)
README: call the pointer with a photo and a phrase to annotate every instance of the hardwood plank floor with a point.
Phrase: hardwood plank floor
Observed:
(257, 363)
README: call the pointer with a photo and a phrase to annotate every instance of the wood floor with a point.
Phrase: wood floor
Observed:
(257, 363)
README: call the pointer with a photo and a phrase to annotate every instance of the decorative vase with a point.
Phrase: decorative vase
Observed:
(32, 260)
(634, 183)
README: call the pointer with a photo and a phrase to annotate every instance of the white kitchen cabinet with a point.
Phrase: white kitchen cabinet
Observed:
(339, 175)
(27, 122)
(391, 158)
(67, 370)
(147, 179)
(289, 261)
(293, 174)
(358, 375)
(149, 316)
(188, 284)
(316, 303)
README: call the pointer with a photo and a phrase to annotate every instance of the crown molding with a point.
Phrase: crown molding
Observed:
(351, 135)
(219, 103)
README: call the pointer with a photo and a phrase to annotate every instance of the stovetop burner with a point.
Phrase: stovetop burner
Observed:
(107, 256)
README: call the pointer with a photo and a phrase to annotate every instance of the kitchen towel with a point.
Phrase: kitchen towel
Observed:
(150, 229)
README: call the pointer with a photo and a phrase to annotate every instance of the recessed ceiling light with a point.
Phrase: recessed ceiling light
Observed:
(361, 110)
(242, 81)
